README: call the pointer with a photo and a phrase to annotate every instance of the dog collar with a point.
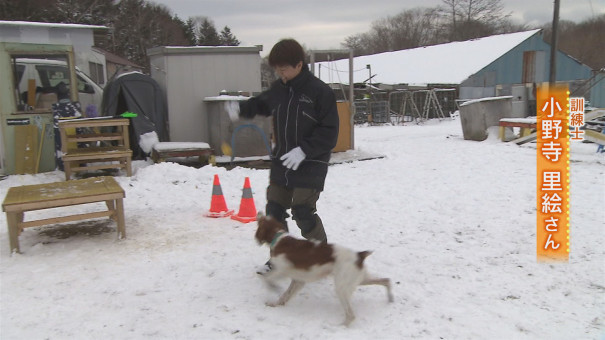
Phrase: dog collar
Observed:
(275, 238)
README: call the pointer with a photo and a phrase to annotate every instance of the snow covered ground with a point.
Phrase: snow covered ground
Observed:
(452, 222)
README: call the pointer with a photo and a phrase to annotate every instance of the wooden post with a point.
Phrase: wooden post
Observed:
(554, 44)
(13, 232)
(31, 92)
(121, 222)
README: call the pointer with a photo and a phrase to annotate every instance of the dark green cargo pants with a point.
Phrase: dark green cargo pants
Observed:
(302, 201)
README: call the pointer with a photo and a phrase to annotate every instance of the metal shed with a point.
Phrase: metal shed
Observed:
(526, 63)
(190, 74)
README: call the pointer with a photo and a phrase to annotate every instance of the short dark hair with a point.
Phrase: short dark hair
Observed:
(286, 52)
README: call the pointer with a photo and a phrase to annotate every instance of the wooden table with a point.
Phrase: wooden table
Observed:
(76, 158)
(25, 198)
(163, 150)
(525, 124)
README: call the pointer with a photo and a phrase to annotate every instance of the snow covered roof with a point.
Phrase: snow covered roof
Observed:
(158, 50)
(449, 63)
(50, 25)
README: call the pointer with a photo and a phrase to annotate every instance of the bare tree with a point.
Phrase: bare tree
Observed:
(82, 11)
(470, 19)
(413, 28)
(408, 29)
(268, 75)
(357, 43)
(584, 41)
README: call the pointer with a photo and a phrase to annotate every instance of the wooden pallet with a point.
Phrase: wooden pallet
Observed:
(83, 158)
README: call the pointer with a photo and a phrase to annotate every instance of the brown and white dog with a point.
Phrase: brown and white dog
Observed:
(306, 261)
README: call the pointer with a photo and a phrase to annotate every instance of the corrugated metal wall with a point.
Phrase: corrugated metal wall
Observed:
(597, 92)
(528, 62)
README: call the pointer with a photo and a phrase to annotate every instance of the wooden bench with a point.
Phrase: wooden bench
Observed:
(526, 125)
(164, 150)
(25, 198)
(115, 145)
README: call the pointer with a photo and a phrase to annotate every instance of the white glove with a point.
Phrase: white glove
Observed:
(293, 158)
(232, 108)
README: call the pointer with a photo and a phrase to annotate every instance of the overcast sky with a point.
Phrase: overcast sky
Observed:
(324, 24)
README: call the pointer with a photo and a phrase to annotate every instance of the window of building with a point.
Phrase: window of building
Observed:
(96, 73)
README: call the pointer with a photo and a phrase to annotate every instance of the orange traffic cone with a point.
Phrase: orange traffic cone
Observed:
(218, 207)
(247, 210)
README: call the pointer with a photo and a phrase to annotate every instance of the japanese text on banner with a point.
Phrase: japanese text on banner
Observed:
(552, 242)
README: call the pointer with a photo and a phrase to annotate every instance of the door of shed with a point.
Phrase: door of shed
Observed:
(345, 130)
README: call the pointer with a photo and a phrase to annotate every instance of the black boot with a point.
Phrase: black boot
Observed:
(278, 212)
(318, 233)
(309, 223)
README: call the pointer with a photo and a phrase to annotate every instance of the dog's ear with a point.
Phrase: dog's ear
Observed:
(261, 230)
(260, 215)
(257, 234)
(361, 256)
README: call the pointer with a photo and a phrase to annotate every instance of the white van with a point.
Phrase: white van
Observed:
(48, 74)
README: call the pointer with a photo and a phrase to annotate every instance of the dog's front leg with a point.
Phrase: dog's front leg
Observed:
(270, 279)
(345, 300)
(295, 286)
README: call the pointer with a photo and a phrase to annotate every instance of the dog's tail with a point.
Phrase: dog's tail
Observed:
(361, 256)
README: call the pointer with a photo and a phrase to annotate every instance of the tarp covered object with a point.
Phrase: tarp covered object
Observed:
(138, 93)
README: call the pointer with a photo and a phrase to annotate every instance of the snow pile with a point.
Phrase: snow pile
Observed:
(452, 222)
(147, 141)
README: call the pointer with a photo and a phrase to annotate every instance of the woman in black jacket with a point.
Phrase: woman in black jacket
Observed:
(305, 130)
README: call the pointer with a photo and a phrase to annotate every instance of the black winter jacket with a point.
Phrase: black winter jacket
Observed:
(305, 115)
